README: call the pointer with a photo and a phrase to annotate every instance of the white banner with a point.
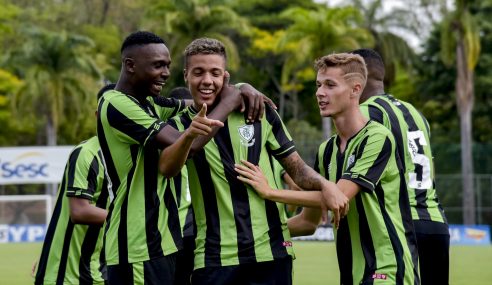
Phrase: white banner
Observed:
(33, 165)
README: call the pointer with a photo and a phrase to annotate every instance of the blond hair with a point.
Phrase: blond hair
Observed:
(353, 66)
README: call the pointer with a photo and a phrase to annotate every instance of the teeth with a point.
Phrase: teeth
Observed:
(207, 91)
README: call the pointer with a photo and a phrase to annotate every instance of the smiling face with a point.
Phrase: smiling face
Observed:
(149, 65)
(204, 75)
(333, 91)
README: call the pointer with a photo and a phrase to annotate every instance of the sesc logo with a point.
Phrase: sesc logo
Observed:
(33, 164)
(18, 168)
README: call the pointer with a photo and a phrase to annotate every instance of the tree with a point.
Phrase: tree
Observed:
(182, 21)
(394, 49)
(460, 43)
(314, 33)
(60, 79)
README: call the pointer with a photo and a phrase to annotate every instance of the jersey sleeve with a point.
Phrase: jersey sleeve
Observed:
(179, 122)
(367, 164)
(82, 174)
(372, 112)
(279, 141)
(168, 107)
(130, 122)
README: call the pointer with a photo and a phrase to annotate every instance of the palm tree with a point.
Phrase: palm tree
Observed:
(460, 43)
(58, 74)
(394, 49)
(185, 20)
(314, 33)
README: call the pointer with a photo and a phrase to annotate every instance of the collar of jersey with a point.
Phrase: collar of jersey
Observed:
(192, 110)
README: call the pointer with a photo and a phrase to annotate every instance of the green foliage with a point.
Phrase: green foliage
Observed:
(394, 49)
(276, 40)
(8, 13)
(307, 138)
(10, 84)
(60, 79)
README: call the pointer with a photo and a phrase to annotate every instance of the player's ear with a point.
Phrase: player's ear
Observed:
(185, 74)
(129, 64)
(356, 89)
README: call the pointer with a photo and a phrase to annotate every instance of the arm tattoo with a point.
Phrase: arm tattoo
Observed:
(303, 175)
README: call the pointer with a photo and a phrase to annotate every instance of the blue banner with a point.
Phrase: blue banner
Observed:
(22, 233)
(469, 235)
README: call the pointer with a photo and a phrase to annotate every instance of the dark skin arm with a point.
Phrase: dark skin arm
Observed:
(83, 212)
(230, 100)
(255, 100)
(174, 155)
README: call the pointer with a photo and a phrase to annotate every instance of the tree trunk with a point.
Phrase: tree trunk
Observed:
(326, 124)
(281, 105)
(465, 100)
(50, 132)
(51, 189)
(105, 10)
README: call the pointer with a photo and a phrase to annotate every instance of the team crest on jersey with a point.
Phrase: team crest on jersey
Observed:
(247, 133)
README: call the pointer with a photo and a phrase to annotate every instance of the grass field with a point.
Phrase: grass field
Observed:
(315, 264)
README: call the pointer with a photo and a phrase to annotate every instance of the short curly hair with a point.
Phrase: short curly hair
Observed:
(374, 62)
(141, 38)
(204, 46)
(352, 65)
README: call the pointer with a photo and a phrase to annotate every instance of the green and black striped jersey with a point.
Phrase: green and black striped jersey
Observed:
(371, 241)
(412, 136)
(180, 186)
(143, 218)
(234, 225)
(72, 253)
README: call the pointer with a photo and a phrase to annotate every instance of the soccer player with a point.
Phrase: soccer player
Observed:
(241, 238)
(412, 136)
(361, 163)
(143, 231)
(72, 249)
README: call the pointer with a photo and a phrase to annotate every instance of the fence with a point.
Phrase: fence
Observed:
(450, 194)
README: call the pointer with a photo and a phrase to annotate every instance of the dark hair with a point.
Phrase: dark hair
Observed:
(105, 88)
(374, 62)
(141, 38)
(204, 46)
(180, 93)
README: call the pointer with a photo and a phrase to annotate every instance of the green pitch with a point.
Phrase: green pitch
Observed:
(315, 264)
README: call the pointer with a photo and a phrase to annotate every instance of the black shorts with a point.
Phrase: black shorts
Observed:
(155, 271)
(276, 272)
(185, 260)
(433, 247)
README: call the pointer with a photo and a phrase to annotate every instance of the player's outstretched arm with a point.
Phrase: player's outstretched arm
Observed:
(174, 156)
(308, 179)
(252, 175)
(83, 212)
(304, 223)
